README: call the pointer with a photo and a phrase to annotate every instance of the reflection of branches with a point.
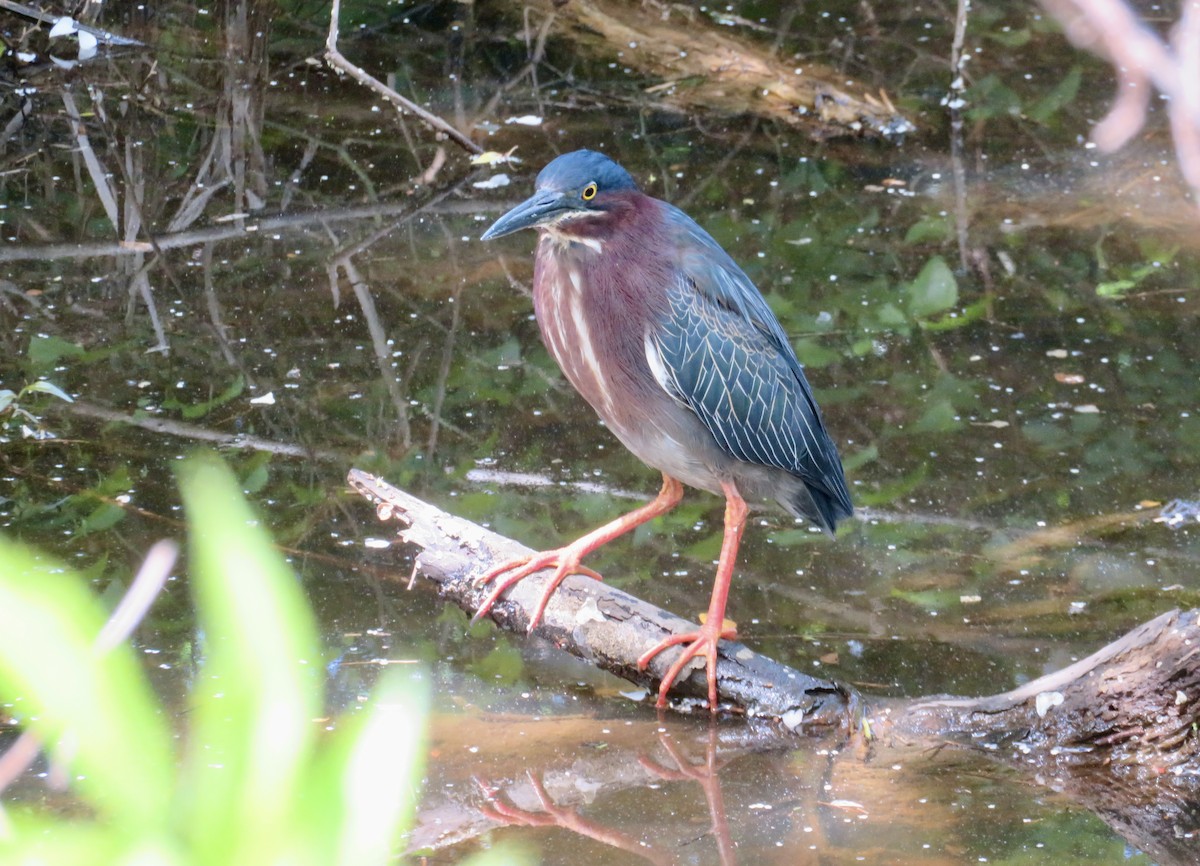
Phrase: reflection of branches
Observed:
(219, 438)
(957, 85)
(439, 394)
(104, 189)
(105, 249)
(336, 60)
(128, 224)
(343, 260)
(1111, 29)
(536, 52)
(379, 340)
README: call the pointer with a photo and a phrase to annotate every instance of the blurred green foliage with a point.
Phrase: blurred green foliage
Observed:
(257, 781)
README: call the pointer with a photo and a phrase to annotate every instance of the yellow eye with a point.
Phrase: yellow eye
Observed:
(589, 192)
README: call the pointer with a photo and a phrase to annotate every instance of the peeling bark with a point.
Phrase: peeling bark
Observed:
(1132, 706)
(599, 623)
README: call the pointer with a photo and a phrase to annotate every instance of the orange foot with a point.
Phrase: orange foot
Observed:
(564, 561)
(700, 642)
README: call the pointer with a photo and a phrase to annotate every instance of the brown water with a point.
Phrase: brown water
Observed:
(1010, 428)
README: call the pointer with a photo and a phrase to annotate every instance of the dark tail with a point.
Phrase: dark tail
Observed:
(820, 506)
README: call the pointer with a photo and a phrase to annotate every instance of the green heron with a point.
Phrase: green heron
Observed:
(678, 352)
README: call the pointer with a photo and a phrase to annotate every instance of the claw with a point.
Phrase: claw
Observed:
(564, 560)
(703, 642)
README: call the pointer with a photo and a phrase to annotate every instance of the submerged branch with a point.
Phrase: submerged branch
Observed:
(703, 66)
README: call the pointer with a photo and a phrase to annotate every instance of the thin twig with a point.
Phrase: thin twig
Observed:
(402, 210)
(338, 62)
(439, 392)
(956, 102)
(100, 178)
(379, 342)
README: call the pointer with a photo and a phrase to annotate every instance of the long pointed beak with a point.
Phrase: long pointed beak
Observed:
(541, 207)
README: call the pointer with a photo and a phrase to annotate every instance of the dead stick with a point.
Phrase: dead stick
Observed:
(1133, 703)
(598, 623)
(338, 61)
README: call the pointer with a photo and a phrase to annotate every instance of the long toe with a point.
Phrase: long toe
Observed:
(564, 561)
(521, 566)
(700, 642)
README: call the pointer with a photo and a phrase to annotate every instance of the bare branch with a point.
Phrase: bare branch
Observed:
(338, 62)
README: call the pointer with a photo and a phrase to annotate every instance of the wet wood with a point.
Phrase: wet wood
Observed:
(703, 66)
(1133, 704)
(1114, 732)
(599, 623)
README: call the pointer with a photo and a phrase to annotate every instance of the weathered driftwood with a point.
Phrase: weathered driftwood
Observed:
(702, 65)
(1134, 705)
(597, 622)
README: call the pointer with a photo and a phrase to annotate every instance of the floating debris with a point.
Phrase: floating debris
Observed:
(1179, 511)
(494, 182)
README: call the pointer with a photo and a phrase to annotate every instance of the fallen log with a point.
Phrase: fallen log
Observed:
(702, 65)
(599, 623)
(1134, 704)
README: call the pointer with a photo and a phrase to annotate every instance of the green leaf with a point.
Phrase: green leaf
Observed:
(936, 227)
(958, 318)
(1010, 38)
(812, 354)
(940, 417)
(930, 599)
(260, 689)
(101, 704)
(44, 387)
(103, 516)
(889, 491)
(934, 290)
(856, 459)
(1063, 94)
(45, 352)
(201, 409)
(381, 765)
(989, 97)
(6, 399)
(257, 473)
(504, 664)
(890, 316)
(1115, 288)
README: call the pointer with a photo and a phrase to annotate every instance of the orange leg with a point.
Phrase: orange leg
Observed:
(566, 560)
(703, 641)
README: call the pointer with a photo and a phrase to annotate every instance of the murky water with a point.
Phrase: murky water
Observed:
(1013, 410)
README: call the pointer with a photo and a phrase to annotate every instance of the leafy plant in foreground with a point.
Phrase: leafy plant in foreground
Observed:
(256, 783)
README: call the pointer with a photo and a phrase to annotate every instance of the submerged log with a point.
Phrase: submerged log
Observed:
(702, 65)
(1132, 707)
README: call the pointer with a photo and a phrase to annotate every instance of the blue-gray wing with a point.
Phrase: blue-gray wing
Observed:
(724, 355)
